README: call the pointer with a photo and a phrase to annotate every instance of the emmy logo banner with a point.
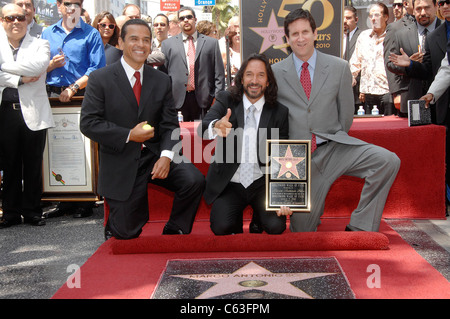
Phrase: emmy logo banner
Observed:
(288, 175)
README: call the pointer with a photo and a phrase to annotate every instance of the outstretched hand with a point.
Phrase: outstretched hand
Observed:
(223, 126)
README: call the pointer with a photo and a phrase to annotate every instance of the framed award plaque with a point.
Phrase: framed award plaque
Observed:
(288, 174)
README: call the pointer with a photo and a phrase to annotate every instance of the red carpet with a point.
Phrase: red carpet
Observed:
(403, 272)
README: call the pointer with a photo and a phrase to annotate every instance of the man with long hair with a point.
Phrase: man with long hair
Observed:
(249, 114)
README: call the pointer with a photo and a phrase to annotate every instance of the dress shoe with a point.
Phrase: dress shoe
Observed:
(255, 228)
(170, 231)
(35, 221)
(352, 228)
(82, 212)
(8, 223)
(108, 232)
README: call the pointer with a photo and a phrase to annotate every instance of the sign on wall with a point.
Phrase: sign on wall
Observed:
(170, 5)
(262, 26)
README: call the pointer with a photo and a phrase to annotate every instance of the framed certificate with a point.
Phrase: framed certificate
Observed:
(70, 163)
(288, 174)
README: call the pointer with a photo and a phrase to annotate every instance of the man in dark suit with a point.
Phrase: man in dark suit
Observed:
(410, 38)
(248, 114)
(195, 65)
(114, 114)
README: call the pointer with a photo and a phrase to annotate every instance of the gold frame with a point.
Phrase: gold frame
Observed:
(293, 177)
(85, 192)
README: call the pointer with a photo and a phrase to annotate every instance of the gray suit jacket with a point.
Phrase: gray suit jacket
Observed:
(329, 111)
(36, 30)
(209, 69)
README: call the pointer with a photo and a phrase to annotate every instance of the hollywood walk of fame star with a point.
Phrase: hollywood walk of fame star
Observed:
(254, 277)
(288, 163)
(272, 34)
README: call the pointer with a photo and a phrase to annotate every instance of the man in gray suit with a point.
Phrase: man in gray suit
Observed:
(317, 89)
(34, 29)
(205, 69)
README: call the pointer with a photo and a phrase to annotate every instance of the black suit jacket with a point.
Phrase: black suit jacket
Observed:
(110, 111)
(435, 49)
(224, 165)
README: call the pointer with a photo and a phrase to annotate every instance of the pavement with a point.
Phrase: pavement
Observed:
(35, 261)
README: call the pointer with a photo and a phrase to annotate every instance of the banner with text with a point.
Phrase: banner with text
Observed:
(262, 26)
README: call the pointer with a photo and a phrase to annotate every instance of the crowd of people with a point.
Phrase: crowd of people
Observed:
(135, 76)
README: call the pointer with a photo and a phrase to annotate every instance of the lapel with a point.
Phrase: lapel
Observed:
(413, 38)
(24, 47)
(201, 39)
(292, 78)
(320, 75)
(147, 91)
(179, 47)
(442, 39)
(120, 77)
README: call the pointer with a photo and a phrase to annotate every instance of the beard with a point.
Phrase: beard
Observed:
(253, 93)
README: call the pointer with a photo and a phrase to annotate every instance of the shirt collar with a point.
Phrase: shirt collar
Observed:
(311, 61)
(81, 25)
(185, 36)
(258, 104)
(129, 70)
(431, 27)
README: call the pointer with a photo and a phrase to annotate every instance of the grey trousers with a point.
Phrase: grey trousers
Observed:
(376, 165)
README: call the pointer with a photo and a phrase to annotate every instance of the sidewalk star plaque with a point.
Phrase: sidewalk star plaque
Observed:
(288, 175)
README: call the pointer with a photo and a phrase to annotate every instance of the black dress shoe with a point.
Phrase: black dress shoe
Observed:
(35, 221)
(108, 232)
(170, 231)
(255, 228)
(8, 223)
(83, 212)
(352, 228)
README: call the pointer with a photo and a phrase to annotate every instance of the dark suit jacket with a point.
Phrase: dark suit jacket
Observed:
(435, 49)
(110, 111)
(112, 54)
(410, 88)
(224, 165)
(351, 49)
(209, 70)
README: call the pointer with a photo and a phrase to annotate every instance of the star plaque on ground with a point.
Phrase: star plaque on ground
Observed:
(288, 175)
(283, 278)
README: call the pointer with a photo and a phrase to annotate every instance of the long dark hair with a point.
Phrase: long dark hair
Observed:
(271, 93)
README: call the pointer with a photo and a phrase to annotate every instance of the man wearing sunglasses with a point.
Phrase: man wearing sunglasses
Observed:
(25, 115)
(34, 29)
(195, 64)
(76, 50)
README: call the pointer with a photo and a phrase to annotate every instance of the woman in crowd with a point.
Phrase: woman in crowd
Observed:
(105, 23)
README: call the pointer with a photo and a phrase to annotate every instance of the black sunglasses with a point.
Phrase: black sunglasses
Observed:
(441, 3)
(110, 26)
(189, 17)
(68, 4)
(20, 18)
(400, 5)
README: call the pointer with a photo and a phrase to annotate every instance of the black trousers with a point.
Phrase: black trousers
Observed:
(227, 210)
(126, 218)
(21, 151)
(383, 102)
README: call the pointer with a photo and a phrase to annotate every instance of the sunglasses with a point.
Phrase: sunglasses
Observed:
(68, 4)
(189, 17)
(400, 5)
(20, 18)
(110, 26)
(162, 24)
(441, 3)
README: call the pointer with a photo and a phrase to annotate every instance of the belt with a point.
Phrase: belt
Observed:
(14, 106)
(322, 144)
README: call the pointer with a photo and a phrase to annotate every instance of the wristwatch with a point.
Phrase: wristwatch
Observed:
(74, 87)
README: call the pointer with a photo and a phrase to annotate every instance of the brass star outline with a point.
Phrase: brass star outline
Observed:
(288, 163)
